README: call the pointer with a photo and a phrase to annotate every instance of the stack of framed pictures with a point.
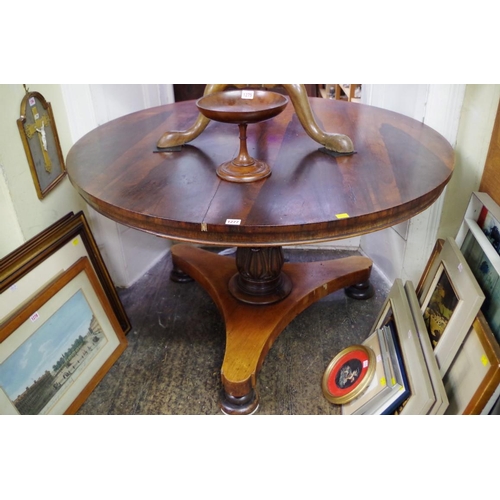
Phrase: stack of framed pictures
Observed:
(434, 328)
(479, 357)
(62, 325)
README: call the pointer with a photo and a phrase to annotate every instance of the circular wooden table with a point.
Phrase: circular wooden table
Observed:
(399, 168)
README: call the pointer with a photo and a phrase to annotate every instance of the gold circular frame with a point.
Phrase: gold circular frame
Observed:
(358, 389)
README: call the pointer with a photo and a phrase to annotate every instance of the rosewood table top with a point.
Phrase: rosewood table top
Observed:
(399, 169)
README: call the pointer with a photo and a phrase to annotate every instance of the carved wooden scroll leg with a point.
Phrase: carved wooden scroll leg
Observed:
(338, 143)
(177, 138)
(334, 142)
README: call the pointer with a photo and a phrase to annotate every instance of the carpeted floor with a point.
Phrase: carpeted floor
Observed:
(176, 347)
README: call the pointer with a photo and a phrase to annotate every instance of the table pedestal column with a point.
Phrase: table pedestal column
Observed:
(254, 323)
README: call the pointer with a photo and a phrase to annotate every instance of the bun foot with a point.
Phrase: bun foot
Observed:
(361, 291)
(244, 405)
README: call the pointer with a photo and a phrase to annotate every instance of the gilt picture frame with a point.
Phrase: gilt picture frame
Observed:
(450, 298)
(40, 139)
(57, 346)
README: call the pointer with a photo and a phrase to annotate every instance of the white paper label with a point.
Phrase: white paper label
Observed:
(233, 222)
(247, 94)
(460, 268)
(34, 317)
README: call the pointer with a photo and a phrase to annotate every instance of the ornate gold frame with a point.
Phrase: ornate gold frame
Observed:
(38, 131)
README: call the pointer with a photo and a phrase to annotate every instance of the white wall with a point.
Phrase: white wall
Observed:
(12, 236)
(128, 253)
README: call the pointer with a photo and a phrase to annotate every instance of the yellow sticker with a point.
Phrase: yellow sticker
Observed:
(383, 382)
(342, 216)
(75, 242)
(484, 359)
(393, 381)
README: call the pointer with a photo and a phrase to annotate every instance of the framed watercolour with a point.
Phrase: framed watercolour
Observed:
(39, 260)
(396, 311)
(57, 346)
(474, 374)
(450, 298)
(348, 374)
(479, 242)
(41, 143)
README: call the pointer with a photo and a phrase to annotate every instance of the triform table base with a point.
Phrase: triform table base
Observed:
(258, 295)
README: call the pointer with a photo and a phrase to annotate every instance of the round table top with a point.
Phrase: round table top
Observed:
(399, 169)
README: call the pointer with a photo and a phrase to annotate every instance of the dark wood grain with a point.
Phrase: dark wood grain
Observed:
(400, 168)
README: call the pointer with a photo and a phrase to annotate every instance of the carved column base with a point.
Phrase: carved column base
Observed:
(260, 280)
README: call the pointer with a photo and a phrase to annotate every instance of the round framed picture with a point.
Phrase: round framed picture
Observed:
(349, 374)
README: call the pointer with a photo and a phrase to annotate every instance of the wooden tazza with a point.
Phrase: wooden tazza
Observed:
(242, 107)
(400, 168)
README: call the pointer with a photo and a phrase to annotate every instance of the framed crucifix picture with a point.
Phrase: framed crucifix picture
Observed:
(41, 143)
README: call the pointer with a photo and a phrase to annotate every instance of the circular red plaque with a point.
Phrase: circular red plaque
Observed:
(348, 374)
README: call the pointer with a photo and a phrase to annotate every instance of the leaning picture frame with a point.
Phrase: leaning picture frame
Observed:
(474, 375)
(441, 398)
(479, 242)
(58, 345)
(38, 260)
(450, 298)
(396, 309)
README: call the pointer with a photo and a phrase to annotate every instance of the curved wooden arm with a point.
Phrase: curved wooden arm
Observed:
(178, 138)
(335, 142)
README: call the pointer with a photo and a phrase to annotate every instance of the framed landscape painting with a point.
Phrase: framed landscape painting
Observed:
(56, 347)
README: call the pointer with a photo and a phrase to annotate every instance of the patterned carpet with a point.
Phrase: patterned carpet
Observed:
(176, 347)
